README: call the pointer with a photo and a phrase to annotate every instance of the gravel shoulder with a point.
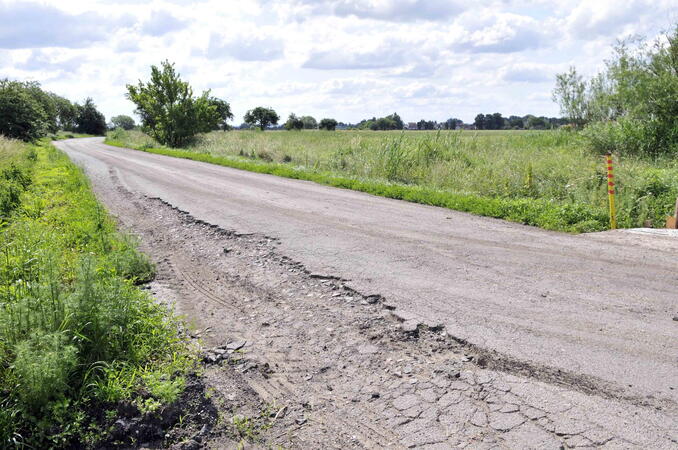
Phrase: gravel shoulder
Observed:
(351, 357)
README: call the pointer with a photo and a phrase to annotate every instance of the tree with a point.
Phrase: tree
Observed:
(294, 123)
(479, 122)
(397, 121)
(261, 117)
(452, 124)
(570, 94)
(21, 115)
(89, 120)
(66, 113)
(123, 121)
(328, 124)
(169, 112)
(224, 111)
(309, 123)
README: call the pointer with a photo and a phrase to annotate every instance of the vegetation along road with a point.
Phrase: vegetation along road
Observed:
(460, 328)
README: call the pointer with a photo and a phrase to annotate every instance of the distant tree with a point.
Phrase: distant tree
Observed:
(169, 112)
(452, 124)
(261, 117)
(479, 122)
(397, 121)
(535, 123)
(309, 122)
(89, 120)
(570, 94)
(294, 123)
(328, 124)
(22, 116)
(66, 113)
(224, 111)
(123, 121)
(515, 122)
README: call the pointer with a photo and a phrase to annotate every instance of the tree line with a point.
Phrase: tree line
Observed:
(28, 112)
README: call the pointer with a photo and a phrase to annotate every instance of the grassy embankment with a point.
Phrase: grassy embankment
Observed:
(548, 179)
(77, 335)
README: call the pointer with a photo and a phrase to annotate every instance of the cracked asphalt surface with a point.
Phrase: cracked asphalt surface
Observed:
(535, 339)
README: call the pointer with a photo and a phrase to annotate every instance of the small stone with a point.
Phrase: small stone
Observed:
(407, 369)
(410, 326)
(235, 345)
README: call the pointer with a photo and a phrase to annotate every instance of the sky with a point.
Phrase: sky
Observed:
(344, 59)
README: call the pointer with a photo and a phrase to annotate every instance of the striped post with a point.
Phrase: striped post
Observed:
(610, 192)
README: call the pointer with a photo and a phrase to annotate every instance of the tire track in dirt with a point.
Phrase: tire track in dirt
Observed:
(393, 383)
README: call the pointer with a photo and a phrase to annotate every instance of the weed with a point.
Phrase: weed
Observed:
(75, 331)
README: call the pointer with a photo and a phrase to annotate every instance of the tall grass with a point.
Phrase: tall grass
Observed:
(544, 178)
(76, 334)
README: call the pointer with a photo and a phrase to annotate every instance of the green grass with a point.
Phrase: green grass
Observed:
(76, 333)
(61, 135)
(548, 179)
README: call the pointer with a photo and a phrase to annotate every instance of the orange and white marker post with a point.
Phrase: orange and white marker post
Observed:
(610, 192)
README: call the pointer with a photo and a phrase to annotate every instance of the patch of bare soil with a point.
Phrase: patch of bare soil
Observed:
(299, 360)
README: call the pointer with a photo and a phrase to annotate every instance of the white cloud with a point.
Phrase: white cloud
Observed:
(161, 23)
(34, 25)
(389, 10)
(246, 48)
(529, 73)
(347, 59)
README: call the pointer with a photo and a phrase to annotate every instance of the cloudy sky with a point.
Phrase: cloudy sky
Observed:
(347, 59)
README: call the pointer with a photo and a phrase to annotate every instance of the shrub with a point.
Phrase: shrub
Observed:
(21, 115)
(42, 365)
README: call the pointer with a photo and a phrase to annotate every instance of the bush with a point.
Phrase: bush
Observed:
(21, 115)
(123, 121)
(42, 365)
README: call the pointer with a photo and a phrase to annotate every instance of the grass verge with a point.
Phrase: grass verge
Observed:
(544, 213)
(77, 335)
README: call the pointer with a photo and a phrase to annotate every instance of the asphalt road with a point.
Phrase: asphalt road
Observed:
(598, 305)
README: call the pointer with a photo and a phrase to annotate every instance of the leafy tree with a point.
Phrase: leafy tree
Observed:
(426, 125)
(570, 94)
(66, 113)
(224, 110)
(536, 123)
(328, 124)
(515, 122)
(89, 120)
(309, 123)
(22, 116)
(294, 123)
(169, 112)
(123, 121)
(479, 122)
(631, 105)
(397, 121)
(261, 117)
(452, 124)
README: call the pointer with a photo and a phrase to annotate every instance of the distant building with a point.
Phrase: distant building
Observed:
(412, 126)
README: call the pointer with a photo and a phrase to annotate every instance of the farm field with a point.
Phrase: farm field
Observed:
(546, 178)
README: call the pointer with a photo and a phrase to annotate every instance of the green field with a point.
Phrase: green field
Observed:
(544, 178)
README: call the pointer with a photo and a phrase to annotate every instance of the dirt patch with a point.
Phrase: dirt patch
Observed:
(298, 359)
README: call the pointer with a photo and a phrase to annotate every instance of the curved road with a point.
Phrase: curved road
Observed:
(597, 306)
